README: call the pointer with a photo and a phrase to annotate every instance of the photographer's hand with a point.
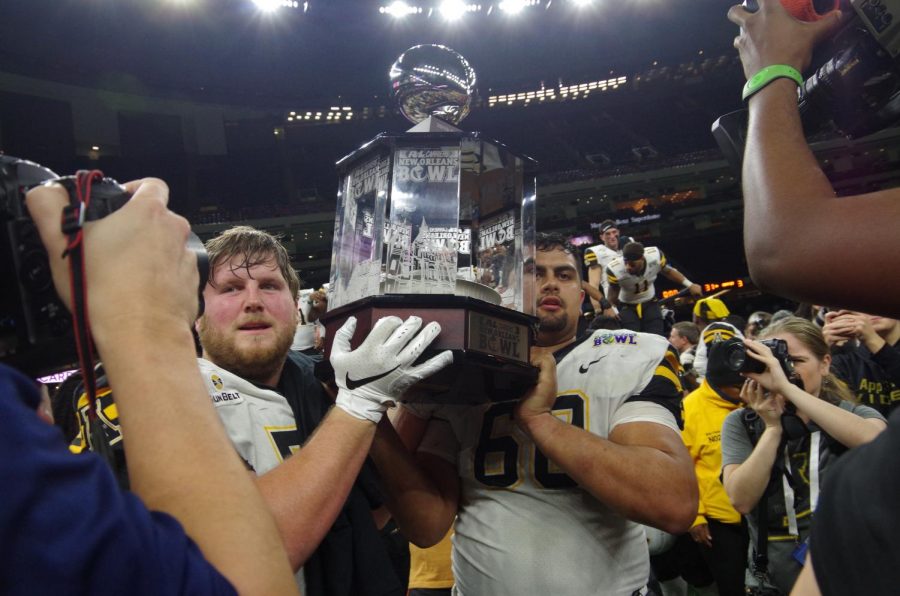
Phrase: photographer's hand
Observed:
(137, 268)
(772, 36)
(768, 406)
(773, 378)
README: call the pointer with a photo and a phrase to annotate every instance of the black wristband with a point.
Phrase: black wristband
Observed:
(605, 304)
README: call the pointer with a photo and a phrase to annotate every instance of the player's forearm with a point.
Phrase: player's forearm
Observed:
(613, 295)
(593, 292)
(306, 492)
(593, 286)
(422, 505)
(674, 275)
(644, 484)
(180, 460)
(746, 483)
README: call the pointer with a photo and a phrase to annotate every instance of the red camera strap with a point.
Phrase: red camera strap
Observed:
(72, 226)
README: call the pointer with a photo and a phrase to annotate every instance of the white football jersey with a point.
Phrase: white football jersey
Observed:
(600, 256)
(635, 289)
(524, 526)
(259, 422)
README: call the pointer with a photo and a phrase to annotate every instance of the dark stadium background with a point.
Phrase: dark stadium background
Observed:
(641, 152)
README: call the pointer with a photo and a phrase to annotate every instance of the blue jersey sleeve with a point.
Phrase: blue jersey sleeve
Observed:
(66, 528)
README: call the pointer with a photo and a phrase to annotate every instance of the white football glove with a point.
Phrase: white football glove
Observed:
(373, 376)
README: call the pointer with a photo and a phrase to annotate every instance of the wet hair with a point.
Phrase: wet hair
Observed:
(809, 334)
(255, 247)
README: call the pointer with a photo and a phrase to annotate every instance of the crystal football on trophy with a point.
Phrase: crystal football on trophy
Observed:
(439, 223)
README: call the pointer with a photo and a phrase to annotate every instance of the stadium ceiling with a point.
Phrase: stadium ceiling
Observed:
(329, 49)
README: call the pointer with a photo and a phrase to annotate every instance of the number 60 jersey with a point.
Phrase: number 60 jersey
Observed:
(525, 527)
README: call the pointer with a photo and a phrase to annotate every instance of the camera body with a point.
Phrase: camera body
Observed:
(35, 327)
(736, 359)
(728, 359)
(854, 87)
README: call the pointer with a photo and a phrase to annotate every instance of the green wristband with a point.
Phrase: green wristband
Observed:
(769, 74)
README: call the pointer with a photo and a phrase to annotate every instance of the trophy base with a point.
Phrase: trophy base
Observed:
(490, 344)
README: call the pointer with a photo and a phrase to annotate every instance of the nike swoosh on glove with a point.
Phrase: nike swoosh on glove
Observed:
(373, 376)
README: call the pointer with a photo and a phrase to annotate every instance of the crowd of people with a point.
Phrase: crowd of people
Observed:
(759, 469)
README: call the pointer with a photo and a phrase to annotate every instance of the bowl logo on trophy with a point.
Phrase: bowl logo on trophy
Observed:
(439, 222)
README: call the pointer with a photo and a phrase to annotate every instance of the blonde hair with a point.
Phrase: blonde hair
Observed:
(809, 334)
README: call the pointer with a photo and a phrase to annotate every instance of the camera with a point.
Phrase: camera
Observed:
(854, 87)
(728, 359)
(733, 356)
(35, 327)
(736, 360)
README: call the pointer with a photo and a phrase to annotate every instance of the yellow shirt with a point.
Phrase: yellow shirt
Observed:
(430, 567)
(704, 412)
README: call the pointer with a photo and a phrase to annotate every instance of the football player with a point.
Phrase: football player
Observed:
(596, 258)
(631, 286)
(547, 490)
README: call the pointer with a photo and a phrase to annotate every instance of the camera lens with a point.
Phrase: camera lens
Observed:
(736, 358)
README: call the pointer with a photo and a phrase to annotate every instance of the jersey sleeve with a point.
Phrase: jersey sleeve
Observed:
(611, 277)
(663, 263)
(590, 258)
(664, 391)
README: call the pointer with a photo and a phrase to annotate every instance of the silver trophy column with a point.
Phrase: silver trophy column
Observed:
(439, 223)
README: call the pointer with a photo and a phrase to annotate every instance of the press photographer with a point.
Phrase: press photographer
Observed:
(774, 464)
(178, 452)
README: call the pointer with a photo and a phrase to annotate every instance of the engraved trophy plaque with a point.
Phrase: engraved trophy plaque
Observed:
(439, 223)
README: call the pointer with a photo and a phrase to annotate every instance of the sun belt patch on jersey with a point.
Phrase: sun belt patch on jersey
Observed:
(221, 396)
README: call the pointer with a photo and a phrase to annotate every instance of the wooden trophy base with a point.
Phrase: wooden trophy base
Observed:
(490, 344)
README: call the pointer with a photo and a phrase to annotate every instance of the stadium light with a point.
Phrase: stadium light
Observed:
(273, 5)
(452, 10)
(399, 9)
(515, 6)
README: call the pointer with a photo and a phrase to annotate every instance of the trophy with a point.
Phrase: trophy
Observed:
(439, 223)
